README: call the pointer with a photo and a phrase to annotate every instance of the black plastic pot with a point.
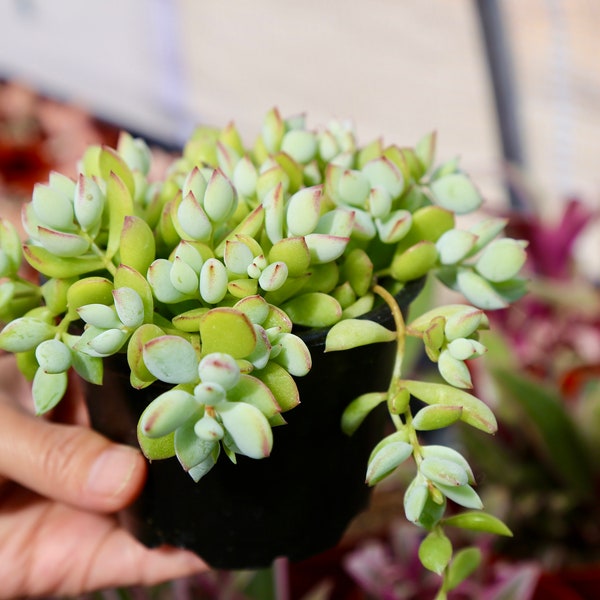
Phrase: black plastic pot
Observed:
(296, 503)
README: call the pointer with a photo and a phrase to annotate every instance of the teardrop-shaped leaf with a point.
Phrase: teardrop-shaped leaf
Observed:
(167, 412)
(385, 461)
(436, 416)
(415, 262)
(282, 385)
(135, 351)
(248, 428)
(501, 260)
(51, 265)
(137, 247)
(62, 244)
(253, 391)
(24, 334)
(107, 342)
(126, 276)
(111, 163)
(435, 552)
(313, 310)
(475, 412)
(478, 521)
(462, 566)
(350, 333)
(159, 278)
(156, 448)
(456, 192)
(464, 495)
(303, 211)
(190, 450)
(192, 219)
(129, 306)
(479, 291)
(213, 281)
(357, 411)
(227, 330)
(53, 208)
(47, 390)
(88, 202)
(171, 359)
(294, 355)
(120, 205)
(220, 198)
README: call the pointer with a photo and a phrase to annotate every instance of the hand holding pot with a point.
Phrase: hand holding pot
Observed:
(59, 484)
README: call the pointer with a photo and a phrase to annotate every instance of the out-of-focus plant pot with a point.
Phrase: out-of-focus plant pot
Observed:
(296, 503)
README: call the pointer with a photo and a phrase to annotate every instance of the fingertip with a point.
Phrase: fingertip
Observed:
(115, 478)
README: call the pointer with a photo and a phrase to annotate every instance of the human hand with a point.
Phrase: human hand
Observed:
(60, 483)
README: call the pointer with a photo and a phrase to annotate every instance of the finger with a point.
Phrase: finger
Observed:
(69, 463)
(49, 548)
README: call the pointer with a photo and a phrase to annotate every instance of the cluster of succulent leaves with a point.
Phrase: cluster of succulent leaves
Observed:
(202, 279)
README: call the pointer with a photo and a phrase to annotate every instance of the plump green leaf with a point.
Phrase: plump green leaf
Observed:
(167, 412)
(479, 291)
(415, 262)
(51, 265)
(190, 450)
(128, 277)
(475, 412)
(453, 370)
(137, 247)
(227, 330)
(253, 391)
(457, 193)
(415, 497)
(303, 211)
(478, 521)
(383, 462)
(436, 416)
(435, 552)
(171, 359)
(129, 306)
(62, 244)
(99, 315)
(314, 309)
(120, 205)
(248, 428)
(48, 390)
(350, 333)
(220, 368)
(446, 472)
(281, 383)
(53, 356)
(24, 334)
(156, 448)
(465, 562)
(464, 495)
(294, 354)
(90, 290)
(220, 198)
(356, 412)
(501, 260)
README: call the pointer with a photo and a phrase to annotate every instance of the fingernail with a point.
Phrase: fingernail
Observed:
(112, 470)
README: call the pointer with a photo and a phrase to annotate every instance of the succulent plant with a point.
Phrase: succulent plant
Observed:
(203, 279)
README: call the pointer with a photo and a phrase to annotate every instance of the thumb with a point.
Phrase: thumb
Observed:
(68, 463)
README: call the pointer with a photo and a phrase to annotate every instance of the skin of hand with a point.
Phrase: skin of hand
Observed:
(60, 485)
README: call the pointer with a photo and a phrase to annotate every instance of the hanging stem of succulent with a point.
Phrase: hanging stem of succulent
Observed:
(400, 331)
(395, 389)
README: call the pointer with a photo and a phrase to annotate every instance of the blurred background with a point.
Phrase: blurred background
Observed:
(159, 67)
